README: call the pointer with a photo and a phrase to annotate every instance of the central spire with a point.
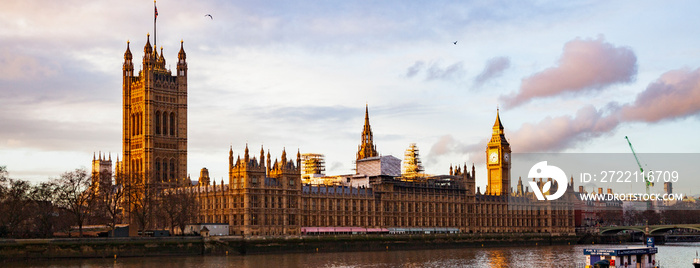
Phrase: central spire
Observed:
(366, 148)
(497, 126)
(498, 135)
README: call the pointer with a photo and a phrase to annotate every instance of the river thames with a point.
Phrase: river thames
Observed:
(670, 255)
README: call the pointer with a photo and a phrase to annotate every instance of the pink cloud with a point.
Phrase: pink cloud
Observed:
(675, 94)
(14, 66)
(585, 65)
(558, 133)
(448, 144)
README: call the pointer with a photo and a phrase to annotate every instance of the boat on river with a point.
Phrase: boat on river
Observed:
(636, 257)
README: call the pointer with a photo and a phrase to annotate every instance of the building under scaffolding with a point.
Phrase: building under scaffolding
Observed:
(412, 167)
(313, 164)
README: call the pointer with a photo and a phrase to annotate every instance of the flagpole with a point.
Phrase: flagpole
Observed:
(155, 17)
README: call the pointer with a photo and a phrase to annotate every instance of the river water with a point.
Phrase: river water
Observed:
(670, 255)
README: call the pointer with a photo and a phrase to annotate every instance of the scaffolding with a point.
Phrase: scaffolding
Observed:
(313, 164)
(412, 167)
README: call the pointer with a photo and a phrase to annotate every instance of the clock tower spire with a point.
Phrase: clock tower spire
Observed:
(498, 160)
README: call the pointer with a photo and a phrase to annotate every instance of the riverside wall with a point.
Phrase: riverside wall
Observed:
(23, 249)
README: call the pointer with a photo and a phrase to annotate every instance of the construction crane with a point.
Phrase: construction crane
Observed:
(647, 181)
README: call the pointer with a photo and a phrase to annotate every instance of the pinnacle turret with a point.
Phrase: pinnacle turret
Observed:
(262, 156)
(147, 49)
(366, 148)
(181, 55)
(161, 59)
(127, 53)
(246, 156)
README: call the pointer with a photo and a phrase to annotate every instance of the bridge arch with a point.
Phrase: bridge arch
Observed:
(617, 229)
(652, 229)
(664, 229)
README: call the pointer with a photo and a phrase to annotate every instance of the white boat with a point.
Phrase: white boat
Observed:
(644, 257)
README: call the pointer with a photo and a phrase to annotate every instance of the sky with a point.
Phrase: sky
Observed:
(568, 76)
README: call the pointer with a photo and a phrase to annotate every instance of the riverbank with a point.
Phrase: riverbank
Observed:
(23, 249)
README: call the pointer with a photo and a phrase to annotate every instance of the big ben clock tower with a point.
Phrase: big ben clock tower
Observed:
(498, 161)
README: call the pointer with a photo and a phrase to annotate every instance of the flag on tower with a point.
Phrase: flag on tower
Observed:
(156, 11)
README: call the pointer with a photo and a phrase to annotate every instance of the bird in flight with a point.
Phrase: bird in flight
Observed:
(209, 15)
(455, 42)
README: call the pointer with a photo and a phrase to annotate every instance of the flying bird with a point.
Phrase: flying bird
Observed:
(209, 15)
(455, 42)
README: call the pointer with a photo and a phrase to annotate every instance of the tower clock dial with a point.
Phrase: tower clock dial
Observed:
(493, 157)
(506, 157)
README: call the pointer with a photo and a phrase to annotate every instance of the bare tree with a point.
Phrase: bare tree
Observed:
(3, 179)
(4, 231)
(45, 214)
(110, 200)
(74, 195)
(189, 208)
(14, 208)
(179, 207)
(169, 207)
(142, 204)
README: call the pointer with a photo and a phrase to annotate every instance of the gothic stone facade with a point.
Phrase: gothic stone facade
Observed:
(265, 198)
(268, 199)
(154, 120)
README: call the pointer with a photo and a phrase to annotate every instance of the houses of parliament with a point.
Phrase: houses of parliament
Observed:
(289, 196)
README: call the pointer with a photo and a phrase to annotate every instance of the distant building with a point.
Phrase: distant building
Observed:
(593, 213)
(101, 171)
(204, 177)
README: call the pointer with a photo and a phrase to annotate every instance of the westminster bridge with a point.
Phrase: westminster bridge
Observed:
(648, 229)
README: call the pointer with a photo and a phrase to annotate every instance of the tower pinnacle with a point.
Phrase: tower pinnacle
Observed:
(497, 126)
(366, 148)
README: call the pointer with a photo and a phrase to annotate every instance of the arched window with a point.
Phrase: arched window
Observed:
(164, 176)
(133, 125)
(172, 124)
(158, 170)
(139, 122)
(165, 123)
(172, 169)
(158, 123)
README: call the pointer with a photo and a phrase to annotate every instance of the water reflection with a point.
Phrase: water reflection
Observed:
(670, 255)
(497, 259)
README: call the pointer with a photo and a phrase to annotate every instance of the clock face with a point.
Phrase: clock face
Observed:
(493, 157)
(506, 157)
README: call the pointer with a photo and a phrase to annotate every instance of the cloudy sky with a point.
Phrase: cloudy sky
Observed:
(569, 76)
